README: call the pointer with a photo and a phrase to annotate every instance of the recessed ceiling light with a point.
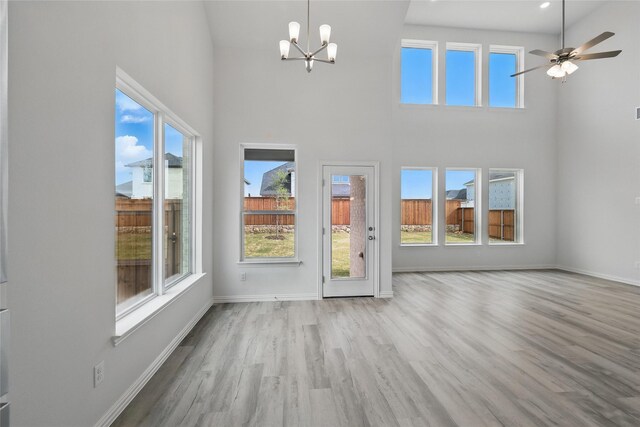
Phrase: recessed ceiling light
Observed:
(545, 5)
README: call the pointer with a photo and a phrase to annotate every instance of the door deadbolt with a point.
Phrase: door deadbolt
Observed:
(371, 237)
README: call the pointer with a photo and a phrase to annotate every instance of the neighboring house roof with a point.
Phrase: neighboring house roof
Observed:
(125, 189)
(495, 177)
(174, 162)
(457, 194)
(342, 189)
(268, 179)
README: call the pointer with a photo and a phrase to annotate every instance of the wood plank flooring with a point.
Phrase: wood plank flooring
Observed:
(529, 348)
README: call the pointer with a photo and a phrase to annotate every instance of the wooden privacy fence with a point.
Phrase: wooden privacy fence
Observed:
(413, 212)
(133, 221)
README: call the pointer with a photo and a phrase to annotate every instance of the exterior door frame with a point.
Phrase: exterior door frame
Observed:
(376, 221)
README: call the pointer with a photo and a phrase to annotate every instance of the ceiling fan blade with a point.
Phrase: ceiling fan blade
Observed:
(591, 43)
(598, 55)
(531, 69)
(548, 55)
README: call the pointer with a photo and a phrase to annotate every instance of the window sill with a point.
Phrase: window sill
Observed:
(463, 244)
(136, 319)
(506, 244)
(267, 262)
(418, 245)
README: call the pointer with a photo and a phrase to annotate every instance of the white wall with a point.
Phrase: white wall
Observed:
(339, 112)
(599, 150)
(63, 58)
(481, 137)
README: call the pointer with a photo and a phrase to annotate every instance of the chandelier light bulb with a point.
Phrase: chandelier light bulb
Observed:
(308, 65)
(284, 49)
(332, 50)
(569, 67)
(325, 34)
(556, 71)
(294, 31)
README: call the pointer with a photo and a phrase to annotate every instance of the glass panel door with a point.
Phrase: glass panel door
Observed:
(348, 226)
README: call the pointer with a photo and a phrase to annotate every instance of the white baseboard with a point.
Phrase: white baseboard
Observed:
(599, 275)
(262, 298)
(110, 416)
(473, 268)
(386, 294)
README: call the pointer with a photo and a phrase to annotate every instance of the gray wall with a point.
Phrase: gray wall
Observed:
(599, 150)
(62, 76)
(481, 137)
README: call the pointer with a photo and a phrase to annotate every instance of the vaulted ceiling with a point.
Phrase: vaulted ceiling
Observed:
(374, 26)
(507, 15)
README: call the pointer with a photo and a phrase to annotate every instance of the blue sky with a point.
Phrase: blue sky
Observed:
(502, 87)
(253, 171)
(416, 184)
(416, 78)
(455, 179)
(135, 134)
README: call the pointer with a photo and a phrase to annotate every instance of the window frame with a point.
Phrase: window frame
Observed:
(518, 51)
(519, 223)
(476, 48)
(162, 115)
(477, 208)
(269, 260)
(423, 44)
(434, 206)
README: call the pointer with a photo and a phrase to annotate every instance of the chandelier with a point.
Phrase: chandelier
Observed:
(308, 57)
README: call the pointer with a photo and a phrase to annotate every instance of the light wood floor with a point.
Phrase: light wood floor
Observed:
(527, 348)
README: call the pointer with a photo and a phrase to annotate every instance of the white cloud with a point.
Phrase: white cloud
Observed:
(130, 118)
(124, 103)
(128, 151)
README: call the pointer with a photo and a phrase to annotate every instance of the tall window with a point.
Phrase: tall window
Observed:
(269, 206)
(153, 197)
(418, 212)
(506, 91)
(177, 204)
(505, 206)
(418, 71)
(462, 206)
(463, 75)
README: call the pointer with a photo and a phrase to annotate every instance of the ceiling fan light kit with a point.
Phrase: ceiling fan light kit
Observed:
(562, 62)
(308, 57)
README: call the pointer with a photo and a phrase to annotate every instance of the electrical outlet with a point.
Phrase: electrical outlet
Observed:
(243, 277)
(98, 374)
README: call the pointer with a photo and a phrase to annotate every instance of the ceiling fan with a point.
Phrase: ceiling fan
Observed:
(562, 61)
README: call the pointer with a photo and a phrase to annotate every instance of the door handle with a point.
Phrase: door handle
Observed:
(371, 237)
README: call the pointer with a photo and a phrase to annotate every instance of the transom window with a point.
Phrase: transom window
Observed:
(464, 74)
(418, 68)
(506, 91)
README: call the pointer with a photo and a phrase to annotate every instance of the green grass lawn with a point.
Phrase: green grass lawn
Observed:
(257, 246)
(425, 237)
(340, 262)
(133, 246)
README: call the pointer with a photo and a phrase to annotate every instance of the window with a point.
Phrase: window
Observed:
(177, 204)
(463, 75)
(418, 72)
(505, 206)
(462, 206)
(418, 213)
(506, 91)
(269, 208)
(154, 197)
